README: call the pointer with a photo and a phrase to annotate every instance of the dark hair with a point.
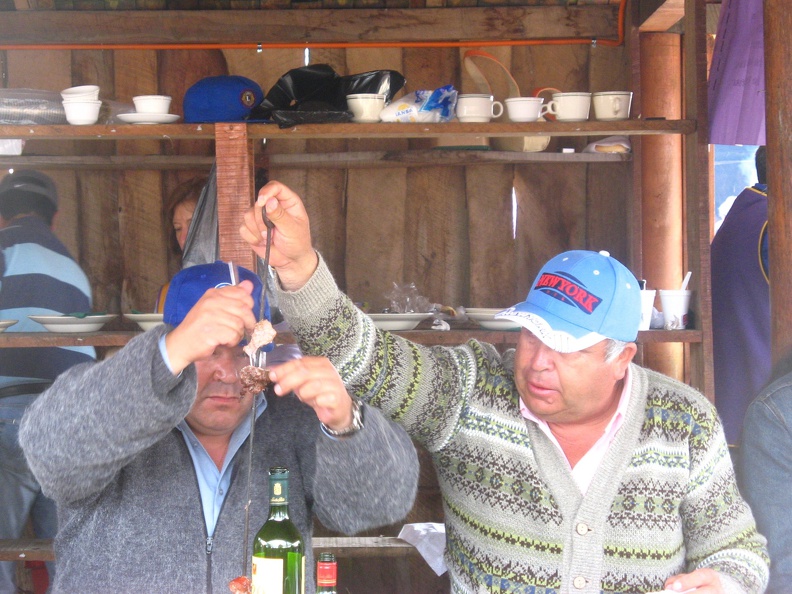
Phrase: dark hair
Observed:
(17, 203)
(761, 164)
(188, 190)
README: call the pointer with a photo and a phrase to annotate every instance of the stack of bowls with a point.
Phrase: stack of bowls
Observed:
(81, 104)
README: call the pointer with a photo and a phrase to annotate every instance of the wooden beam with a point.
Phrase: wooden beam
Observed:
(113, 28)
(778, 106)
(660, 15)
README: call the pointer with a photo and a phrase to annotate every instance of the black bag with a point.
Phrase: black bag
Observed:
(317, 94)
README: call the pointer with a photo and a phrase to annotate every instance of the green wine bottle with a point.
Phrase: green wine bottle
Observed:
(326, 574)
(278, 549)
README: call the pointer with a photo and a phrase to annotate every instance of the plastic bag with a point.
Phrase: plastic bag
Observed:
(406, 299)
(317, 94)
(202, 245)
(423, 106)
(31, 106)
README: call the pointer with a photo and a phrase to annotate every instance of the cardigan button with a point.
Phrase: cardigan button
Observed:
(579, 582)
(582, 529)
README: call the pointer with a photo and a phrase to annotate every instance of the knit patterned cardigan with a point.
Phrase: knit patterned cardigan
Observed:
(663, 501)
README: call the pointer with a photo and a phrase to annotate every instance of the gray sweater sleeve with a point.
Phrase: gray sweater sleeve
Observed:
(97, 417)
(374, 472)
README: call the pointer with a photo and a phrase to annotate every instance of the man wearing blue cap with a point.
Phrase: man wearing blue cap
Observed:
(146, 453)
(563, 466)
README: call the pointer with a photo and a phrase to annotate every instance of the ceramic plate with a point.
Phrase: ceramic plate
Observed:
(6, 323)
(148, 118)
(398, 321)
(72, 324)
(486, 318)
(146, 321)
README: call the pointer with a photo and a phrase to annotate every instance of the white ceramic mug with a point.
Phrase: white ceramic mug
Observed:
(569, 107)
(612, 105)
(524, 109)
(477, 108)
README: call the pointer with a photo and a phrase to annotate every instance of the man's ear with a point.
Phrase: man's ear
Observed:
(54, 220)
(621, 362)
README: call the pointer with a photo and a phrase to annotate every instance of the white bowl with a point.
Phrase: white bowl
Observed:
(73, 324)
(89, 92)
(152, 103)
(398, 321)
(366, 107)
(146, 321)
(82, 113)
(6, 323)
(485, 317)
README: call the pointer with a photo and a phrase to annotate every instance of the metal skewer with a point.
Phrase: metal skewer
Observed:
(257, 359)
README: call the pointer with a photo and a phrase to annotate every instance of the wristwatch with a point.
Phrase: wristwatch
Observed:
(357, 422)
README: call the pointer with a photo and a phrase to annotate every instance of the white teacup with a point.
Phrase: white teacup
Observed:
(612, 105)
(524, 109)
(570, 107)
(477, 108)
(366, 107)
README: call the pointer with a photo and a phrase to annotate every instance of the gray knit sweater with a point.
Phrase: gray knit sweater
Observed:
(102, 443)
(664, 499)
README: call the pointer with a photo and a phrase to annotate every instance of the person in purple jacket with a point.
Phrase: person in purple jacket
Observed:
(741, 304)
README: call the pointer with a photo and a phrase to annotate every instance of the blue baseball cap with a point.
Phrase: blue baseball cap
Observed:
(578, 299)
(226, 98)
(189, 285)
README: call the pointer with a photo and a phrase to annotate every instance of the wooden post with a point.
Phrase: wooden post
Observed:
(778, 86)
(235, 186)
(661, 181)
(699, 200)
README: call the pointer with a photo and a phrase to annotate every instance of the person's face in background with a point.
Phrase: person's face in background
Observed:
(182, 217)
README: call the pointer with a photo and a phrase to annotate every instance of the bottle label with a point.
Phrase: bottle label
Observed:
(267, 576)
(326, 573)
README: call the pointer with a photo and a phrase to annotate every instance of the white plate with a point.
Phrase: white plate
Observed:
(6, 323)
(398, 321)
(72, 324)
(146, 321)
(148, 118)
(485, 317)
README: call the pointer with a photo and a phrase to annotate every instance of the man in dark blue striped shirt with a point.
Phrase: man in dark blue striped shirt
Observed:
(37, 276)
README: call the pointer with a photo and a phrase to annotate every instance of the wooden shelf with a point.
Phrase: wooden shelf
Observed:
(632, 127)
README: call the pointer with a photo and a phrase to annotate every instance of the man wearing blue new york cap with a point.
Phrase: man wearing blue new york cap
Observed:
(154, 444)
(563, 466)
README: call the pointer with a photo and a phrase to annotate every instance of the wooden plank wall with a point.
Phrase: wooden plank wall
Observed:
(449, 230)
(456, 232)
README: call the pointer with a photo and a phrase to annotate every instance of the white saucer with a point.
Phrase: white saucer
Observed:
(6, 323)
(148, 118)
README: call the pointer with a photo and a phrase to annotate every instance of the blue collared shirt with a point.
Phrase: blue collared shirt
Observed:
(213, 483)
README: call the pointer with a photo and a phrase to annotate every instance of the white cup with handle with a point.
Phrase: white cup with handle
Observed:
(569, 107)
(477, 107)
(524, 109)
(611, 105)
